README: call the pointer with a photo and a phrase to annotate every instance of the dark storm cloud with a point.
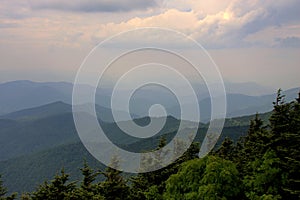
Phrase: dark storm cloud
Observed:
(93, 5)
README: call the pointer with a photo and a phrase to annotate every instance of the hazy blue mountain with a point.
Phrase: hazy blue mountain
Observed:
(248, 88)
(20, 95)
(240, 105)
(237, 107)
(39, 112)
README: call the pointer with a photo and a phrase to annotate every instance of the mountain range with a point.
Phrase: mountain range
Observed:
(19, 95)
(36, 143)
(38, 134)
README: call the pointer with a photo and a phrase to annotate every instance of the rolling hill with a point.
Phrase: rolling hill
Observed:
(34, 150)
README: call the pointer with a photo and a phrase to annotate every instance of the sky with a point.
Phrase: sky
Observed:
(250, 40)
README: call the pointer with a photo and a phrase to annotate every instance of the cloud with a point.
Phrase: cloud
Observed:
(292, 41)
(93, 5)
(8, 25)
(258, 15)
(228, 26)
(215, 24)
(14, 9)
(242, 18)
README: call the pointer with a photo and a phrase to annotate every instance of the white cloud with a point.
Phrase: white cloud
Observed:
(228, 26)
(229, 23)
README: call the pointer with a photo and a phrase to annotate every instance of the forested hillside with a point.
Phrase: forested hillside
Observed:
(263, 164)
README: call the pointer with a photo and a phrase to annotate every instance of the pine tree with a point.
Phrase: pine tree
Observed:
(226, 150)
(280, 118)
(58, 188)
(26, 196)
(87, 190)
(2, 189)
(285, 122)
(114, 187)
(265, 177)
(89, 176)
(152, 179)
(256, 139)
(3, 192)
(151, 185)
(252, 146)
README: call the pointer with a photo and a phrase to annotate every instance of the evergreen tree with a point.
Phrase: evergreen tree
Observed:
(226, 150)
(252, 146)
(3, 192)
(26, 196)
(57, 189)
(265, 177)
(89, 176)
(114, 186)
(280, 118)
(151, 185)
(2, 189)
(285, 122)
(152, 179)
(87, 190)
(292, 152)
(255, 143)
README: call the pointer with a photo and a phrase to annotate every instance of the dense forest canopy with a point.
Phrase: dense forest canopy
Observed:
(264, 164)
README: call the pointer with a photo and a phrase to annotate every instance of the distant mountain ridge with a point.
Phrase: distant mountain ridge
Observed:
(19, 95)
(39, 112)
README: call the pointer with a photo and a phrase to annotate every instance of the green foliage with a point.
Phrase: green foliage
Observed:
(58, 188)
(151, 185)
(89, 177)
(26, 196)
(2, 189)
(3, 192)
(227, 149)
(285, 125)
(208, 178)
(280, 119)
(114, 186)
(153, 193)
(252, 146)
(24, 173)
(265, 177)
(264, 164)
(87, 190)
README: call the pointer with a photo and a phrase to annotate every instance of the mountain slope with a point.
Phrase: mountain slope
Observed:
(36, 135)
(39, 112)
(19, 95)
(26, 172)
